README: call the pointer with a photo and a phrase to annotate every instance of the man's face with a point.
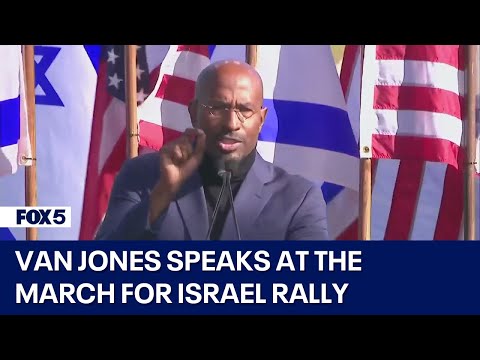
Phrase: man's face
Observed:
(229, 112)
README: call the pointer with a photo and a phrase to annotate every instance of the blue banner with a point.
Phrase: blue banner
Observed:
(250, 278)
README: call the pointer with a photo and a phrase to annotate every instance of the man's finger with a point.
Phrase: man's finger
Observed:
(177, 155)
(190, 134)
(186, 149)
(200, 143)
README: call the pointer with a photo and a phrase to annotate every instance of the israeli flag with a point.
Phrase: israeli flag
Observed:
(66, 78)
(307, 130)
(14, 139)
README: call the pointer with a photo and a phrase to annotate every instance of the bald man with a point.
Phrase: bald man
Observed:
(176, 193)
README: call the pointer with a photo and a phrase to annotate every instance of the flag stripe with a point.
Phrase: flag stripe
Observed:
(9, 121)
(153, 79)
(330, 191)
(291, 85)
(316, 163)
(404, 202)
(350, 233)
(185, 64)
(429, 200)
(154, 136)
(414, 148)
(419, 123)
(420, 74)
(313, 126)
(448, 54)
(165, 113)
(198, 49)
(451, 208)
(116, 110)
(407, 97)
(382, 196)
(176, 89)
(101, 191)
(90, 218)
(348, 67)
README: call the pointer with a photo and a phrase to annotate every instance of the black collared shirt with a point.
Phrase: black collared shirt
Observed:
(212, 184)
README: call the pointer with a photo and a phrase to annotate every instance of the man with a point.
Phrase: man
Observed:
(172, 194)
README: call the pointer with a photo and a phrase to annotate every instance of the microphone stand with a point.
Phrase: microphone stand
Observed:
(230, 194)
(217, 204)
(226, 177)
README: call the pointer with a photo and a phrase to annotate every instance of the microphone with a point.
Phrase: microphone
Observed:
(220, 164)
(225, 172)
(229, 168)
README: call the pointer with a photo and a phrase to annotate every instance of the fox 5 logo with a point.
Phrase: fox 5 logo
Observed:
(35, 216)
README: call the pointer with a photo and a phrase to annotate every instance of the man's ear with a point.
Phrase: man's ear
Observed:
(192, 110)
(263, 116)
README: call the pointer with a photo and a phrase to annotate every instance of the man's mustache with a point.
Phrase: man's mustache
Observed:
(229, 137)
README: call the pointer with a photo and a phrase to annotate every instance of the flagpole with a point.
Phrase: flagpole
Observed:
(131, 99)
(470, 140)
(251, 55)
(365, 194)
(364, 224)
(30, 171)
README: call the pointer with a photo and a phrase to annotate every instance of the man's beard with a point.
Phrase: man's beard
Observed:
(232, 157)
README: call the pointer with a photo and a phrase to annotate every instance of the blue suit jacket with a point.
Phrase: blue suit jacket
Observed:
(270, 205)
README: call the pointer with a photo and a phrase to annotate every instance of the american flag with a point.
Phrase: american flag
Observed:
(413, 102)
(108, 140)
(164, 115)
(114, 55)
(415, 198)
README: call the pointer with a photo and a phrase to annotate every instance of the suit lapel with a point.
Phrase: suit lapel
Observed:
(193, 208)
(250, 200)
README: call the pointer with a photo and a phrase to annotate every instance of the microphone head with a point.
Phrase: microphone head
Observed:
(220, 166)
(223, 166)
